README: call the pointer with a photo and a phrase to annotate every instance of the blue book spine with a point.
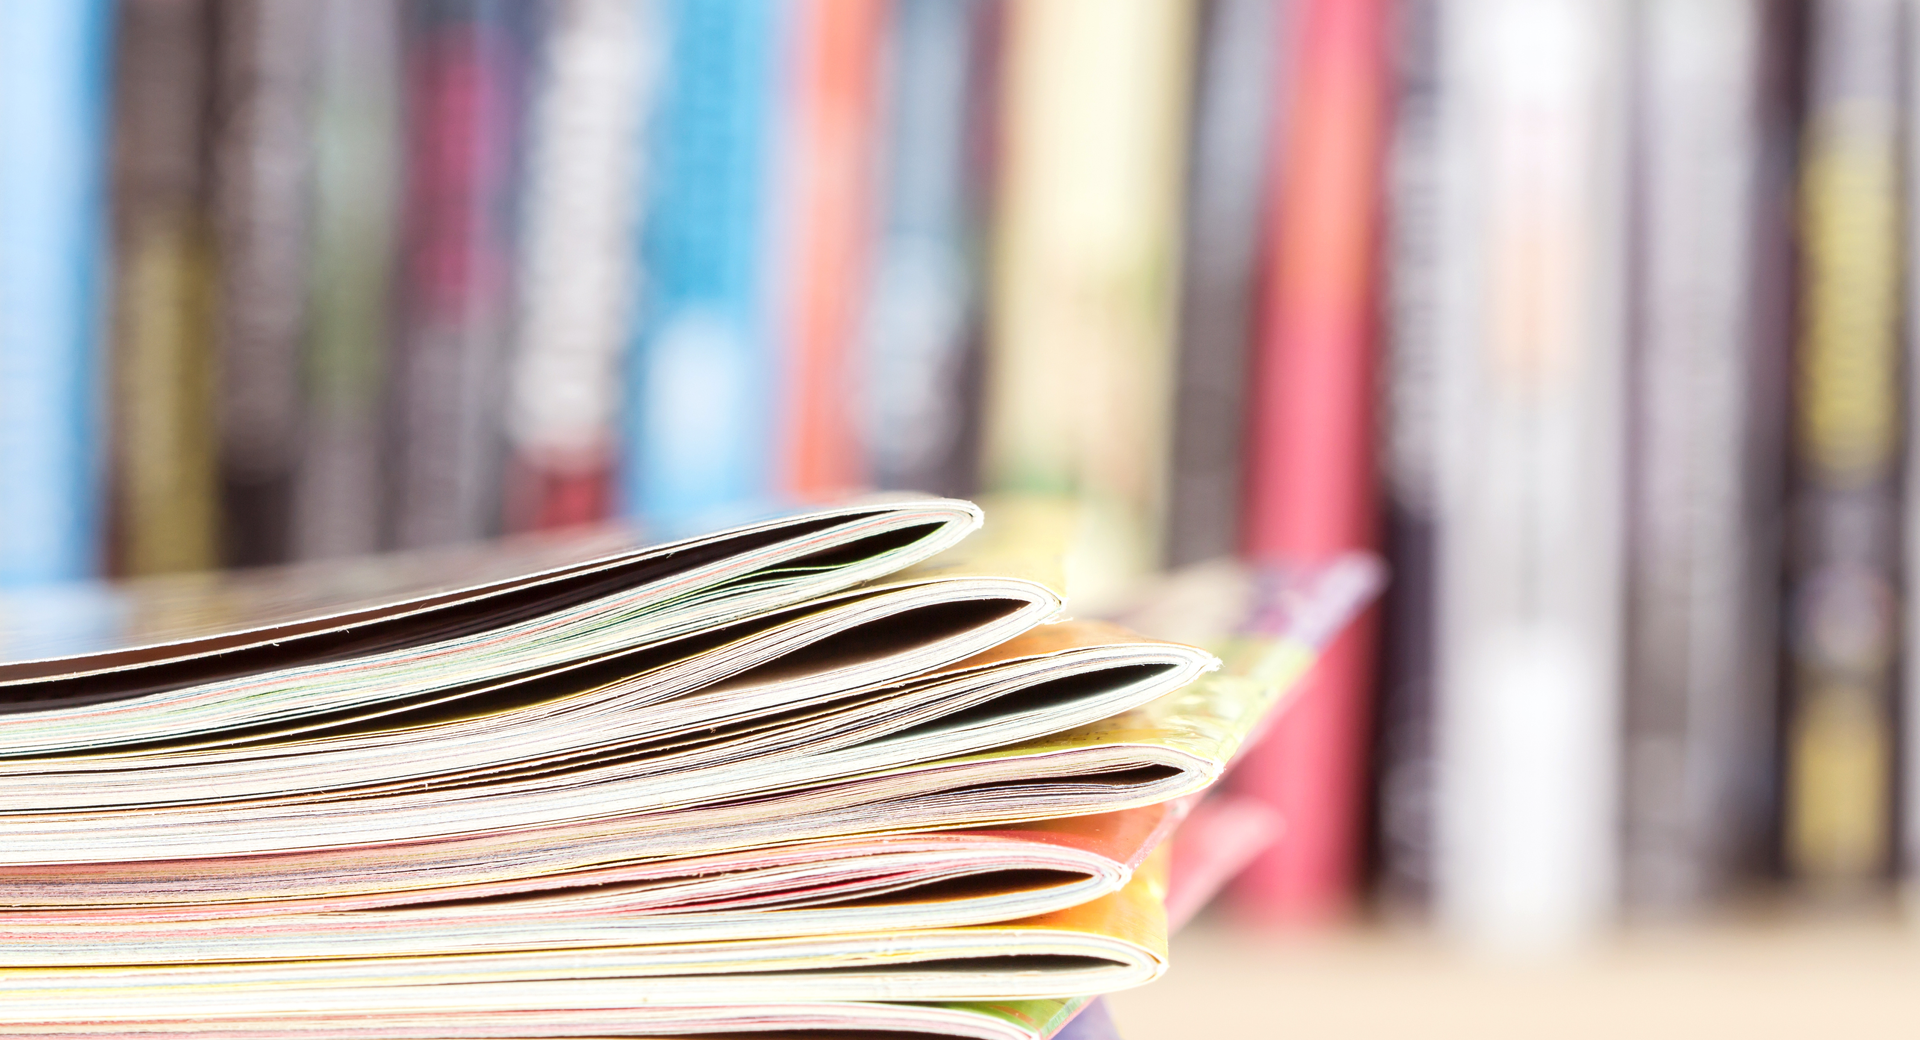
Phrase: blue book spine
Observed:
(702, 374)
(54, 60)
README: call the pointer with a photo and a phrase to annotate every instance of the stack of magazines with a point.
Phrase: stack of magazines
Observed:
(823, 773)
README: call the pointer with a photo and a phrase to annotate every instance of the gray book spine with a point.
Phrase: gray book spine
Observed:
(1909, 837)
(1236, 103)
(355, 184)
(467, 65)
(262, 147)
(1702, 546)
(1404, 799)
(922, 317)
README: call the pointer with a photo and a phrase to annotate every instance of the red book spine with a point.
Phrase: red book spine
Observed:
(1310, 490)
(832, 155)
(465, 63)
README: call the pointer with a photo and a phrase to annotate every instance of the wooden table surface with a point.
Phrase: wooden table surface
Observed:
(1744, 979)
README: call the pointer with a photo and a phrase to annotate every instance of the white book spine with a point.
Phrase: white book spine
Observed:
(578, 251)
(1531, 499)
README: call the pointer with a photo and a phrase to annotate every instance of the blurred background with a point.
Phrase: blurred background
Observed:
(1592, 316)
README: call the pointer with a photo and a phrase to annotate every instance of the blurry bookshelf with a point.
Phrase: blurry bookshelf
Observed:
(1594, 319)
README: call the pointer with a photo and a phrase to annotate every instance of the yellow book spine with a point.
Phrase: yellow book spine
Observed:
(1838, 726)
(1080, 357)
(164, 440)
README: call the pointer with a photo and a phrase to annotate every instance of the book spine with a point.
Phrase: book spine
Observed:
(164, 458)
(1698, 665)
(466, 68)
(261, 139)
(356, 182)
(1531, 474)
(1310, 468)
(1409, 463)
(921, 313)
(1774, 332)
(1078, 393)
(825, 220)
(1847, 414)
(578, 262)
(54, 62)
(699, 431)
(1908, 865)
(1236, 97)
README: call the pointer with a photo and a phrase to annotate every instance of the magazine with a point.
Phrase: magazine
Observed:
(819, 772)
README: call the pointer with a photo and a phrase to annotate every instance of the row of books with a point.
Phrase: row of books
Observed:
(1587, 314)
(1646, 367)
(302, 280)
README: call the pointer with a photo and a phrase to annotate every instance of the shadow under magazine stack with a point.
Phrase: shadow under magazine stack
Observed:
(764, 779)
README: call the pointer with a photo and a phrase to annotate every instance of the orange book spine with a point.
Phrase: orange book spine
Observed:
(828, 190)
(1310, 491)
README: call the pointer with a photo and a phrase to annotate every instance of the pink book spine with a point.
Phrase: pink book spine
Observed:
(1310, 492)
(1218, 839)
